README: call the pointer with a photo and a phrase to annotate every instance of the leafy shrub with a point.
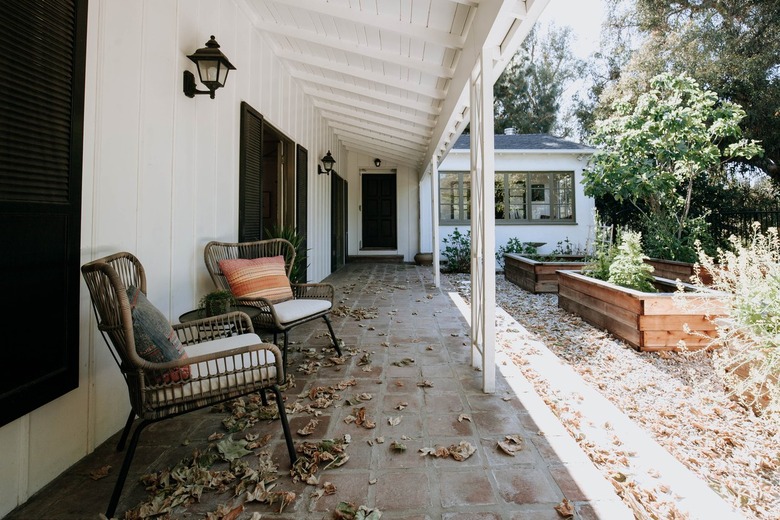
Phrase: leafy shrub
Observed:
(457, 251)
(749, 277)
(603, 254)
(298, 240)
(514, 245)
(628, 268)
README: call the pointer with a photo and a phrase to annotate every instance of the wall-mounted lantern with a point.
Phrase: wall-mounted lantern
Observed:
(377, 162)
(213, 68)
(327, 162)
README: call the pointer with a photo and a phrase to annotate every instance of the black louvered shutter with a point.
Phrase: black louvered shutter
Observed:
(301, 195)
(250, 175)
(41, 126)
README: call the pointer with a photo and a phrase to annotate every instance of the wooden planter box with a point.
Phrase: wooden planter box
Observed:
(646, 321)
(674, 270)
(538, 276)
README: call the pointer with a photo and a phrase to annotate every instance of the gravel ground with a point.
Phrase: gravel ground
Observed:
(676, 397)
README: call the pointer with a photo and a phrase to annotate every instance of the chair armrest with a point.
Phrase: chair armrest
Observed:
(315, 291)
(213, 327)
(242, 356)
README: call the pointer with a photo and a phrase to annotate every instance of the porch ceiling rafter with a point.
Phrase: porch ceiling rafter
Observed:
(391, 77)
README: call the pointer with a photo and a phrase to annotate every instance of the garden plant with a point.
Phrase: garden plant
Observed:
(748, 339)
(653, 151)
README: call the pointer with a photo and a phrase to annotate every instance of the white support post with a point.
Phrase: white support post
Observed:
(483, 240)
(435, 218)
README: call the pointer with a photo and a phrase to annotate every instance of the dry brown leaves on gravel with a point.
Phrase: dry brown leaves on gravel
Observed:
(676, 397)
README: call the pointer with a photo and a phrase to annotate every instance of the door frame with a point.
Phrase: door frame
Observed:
(373, 251)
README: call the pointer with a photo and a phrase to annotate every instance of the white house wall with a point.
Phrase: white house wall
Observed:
(577, 233)
(160, 179)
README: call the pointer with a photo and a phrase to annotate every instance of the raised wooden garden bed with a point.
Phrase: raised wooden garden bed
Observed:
(647, 321)
(538, 276)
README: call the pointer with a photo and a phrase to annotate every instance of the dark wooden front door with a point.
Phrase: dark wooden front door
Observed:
(379, 211)
(338, 224)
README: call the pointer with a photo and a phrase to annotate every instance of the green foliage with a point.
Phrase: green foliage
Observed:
(748, 276)
(216, 303)
(528, 92)
(662, 241)
(298, 240)
(628, 268)
(513, 245)
(457, 251)
(653, 150)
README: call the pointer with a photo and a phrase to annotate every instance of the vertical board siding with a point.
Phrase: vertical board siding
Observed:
(161, 180)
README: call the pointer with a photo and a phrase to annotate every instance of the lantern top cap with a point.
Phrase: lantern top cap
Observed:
(211, 52)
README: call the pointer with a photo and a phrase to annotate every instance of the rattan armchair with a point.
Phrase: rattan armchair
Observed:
(310, 301)
(225, 359)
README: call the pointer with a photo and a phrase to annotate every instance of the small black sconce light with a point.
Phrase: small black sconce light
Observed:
(213, 68)
(328, 161)
(377, 162)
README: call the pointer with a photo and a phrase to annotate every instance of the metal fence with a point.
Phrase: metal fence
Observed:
(740, 223)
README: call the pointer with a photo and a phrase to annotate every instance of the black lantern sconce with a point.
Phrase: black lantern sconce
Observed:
(377, 162)
(327, 162)
(213, 68)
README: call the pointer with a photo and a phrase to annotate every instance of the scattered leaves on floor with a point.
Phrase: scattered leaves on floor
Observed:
(459, 452)
(397, 446)
(101, 472)
(394, 421)
(565, 509)
(463, 417)
(511, 444)
(313, 456)
(425, 384)
(349, 511)
(309, 428)
(405, 362)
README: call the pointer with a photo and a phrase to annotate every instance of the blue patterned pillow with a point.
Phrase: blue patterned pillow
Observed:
(155, 339)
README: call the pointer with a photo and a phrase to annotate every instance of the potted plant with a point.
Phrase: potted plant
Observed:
(216, 303)
(618, 292)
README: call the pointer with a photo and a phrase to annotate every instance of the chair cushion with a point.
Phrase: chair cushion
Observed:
(294, 310)
(155, 339)
(257, 278)
(221, 375)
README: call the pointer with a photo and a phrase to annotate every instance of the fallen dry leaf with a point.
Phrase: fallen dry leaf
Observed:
(463, 417)
(309, 428)
(565, 509)
(425, 384)
(394, 421)
(101, 472)
(511, 444)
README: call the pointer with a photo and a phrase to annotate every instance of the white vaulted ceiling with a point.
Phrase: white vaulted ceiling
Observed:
(391, 76)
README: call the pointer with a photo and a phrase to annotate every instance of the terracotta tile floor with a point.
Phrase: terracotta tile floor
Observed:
(414, 320)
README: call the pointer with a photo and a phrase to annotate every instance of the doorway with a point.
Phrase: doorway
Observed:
(338, 224)
(379, 211)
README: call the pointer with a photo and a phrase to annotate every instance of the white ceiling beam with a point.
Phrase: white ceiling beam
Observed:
(370, 131)
(470, 3)
(361, 73)
(381, 144)
(364, 105)
(384, 155)
(366, 92)
(361, 50)
(378, 21)
(343, 117)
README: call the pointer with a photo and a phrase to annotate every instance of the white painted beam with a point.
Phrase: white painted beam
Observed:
(352, 117)
(364, 105)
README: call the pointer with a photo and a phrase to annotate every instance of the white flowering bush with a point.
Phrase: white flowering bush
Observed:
(748, 275)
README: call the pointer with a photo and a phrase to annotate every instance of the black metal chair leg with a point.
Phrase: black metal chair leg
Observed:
(120, 480)
(285, 425)
(333, 337)
(263, 398)
(284, 350)
(123, 439)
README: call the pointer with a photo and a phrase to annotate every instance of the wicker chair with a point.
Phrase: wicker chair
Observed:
(309, 302)
(225, 359)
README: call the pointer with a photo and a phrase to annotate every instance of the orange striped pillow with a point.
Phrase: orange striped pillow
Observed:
(257, 278)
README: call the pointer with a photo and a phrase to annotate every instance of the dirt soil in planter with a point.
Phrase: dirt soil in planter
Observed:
(676, 397)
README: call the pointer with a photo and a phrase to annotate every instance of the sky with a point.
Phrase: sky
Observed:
(583, 16)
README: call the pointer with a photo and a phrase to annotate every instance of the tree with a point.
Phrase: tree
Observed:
(653, 150)
(528, 93)
(731, 47)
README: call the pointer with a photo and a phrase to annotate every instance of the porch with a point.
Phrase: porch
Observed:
(403, 316)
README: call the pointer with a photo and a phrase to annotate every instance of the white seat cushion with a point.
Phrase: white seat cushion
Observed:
(293, 310)
(222, 373)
